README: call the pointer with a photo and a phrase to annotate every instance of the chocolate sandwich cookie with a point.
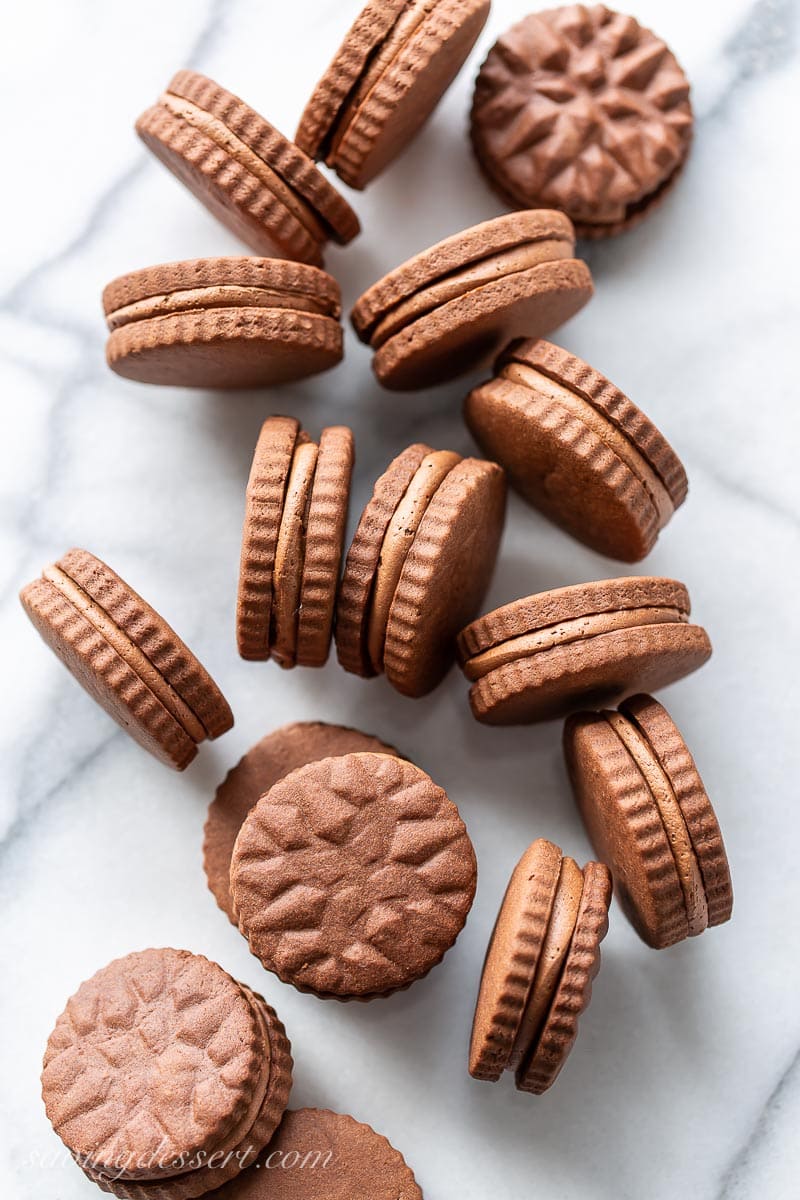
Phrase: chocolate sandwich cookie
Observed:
(453, 307)
(582, 646)
(419, 565)
(126, 657)
(537, 977)
(646, 810)
(164, 1077)
(393, 67)
(353, 876)
(253, 179)
(582, 109)
(271, 759)
(295, 515)
(317, 1153)
(223, 323)
(577, 448)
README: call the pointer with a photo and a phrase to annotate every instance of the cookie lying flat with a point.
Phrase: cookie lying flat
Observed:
(453, 307)
(419, 565)
(587, 645)
(577, 448)
(537, 977)
(395, 64)
(353, 876)
(648, 815)
(252, 178)
(296, 507)
(271, 759)
(126, 657)
(223, 323)
(320, 1154)
(159, 1062)
(582, 109)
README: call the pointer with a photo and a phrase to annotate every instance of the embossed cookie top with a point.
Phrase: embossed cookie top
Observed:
(155, 1057)
(582, 109)
(353, 876)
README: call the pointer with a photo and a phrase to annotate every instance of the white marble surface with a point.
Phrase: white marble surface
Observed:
(686, 1077)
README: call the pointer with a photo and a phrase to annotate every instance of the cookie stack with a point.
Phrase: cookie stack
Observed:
(347, 869)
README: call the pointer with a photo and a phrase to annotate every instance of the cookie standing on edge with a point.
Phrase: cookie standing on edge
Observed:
(537, 977)
(648, 816)
(393, 67)
(318, 1154)
(453, 307)
(271, 759)
(253, 179)
(164, 1077)
(223, 323)
(419, 565)
(582, 109)
(589, 644)
(577, 448)
(126, 657)
(296, 507)
(353, 876)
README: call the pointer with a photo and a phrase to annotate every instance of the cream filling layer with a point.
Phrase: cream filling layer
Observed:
(217, 296)
(135, 658)
(228, 141)
(397, 542)
(290, 553)
(602, 427)
(678, 837)
(458, 283)
(561, 634)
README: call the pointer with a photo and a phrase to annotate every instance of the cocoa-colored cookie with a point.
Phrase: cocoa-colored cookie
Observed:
(582, 109)
(126, 657)
(451, 308)
(223, 323)
(537, 977)
(317, 1153)
(292, 541)
(353, 876)
(393, 67)
(252, 178)
(648, 815)
(164, 1077)
(577, 448)
(587, 645)
(275, 756)
(421, 559)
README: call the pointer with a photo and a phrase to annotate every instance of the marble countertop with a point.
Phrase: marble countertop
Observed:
(686, 1076)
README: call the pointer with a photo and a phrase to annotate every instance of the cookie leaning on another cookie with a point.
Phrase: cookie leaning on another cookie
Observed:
(353, 876)
(127, 657)
(452, 307)
(164, 1077)
(537, 977)
(271, 759)
(223, 323)
(590, 644)
(253, 179)
(296, 507)
(419, 565)
(582, 109)
(649, 817)
(394, 65)
(577, 448)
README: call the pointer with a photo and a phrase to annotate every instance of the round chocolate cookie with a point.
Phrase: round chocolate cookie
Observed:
(582, 109)
(275, 756)
(160, 1064)
(537, 977)
(353, 876)
(649, 817)
(577, 448)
